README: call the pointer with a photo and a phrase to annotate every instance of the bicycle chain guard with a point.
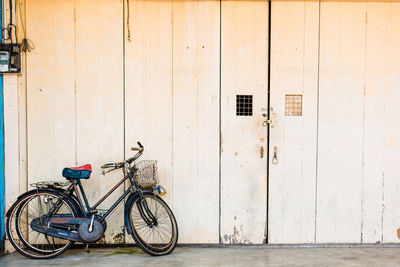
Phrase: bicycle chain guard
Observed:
(61, 227)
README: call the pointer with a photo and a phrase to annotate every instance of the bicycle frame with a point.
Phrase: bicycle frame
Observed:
(77, 187)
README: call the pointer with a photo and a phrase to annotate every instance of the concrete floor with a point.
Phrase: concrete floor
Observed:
(238, 256)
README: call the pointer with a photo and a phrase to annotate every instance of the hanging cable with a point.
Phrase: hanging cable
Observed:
(7, 32)
(26, 44)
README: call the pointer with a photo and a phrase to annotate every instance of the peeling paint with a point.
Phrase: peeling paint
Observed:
(237, 236)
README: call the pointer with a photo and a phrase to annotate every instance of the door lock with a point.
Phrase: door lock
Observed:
(265, 123)
(265, 115)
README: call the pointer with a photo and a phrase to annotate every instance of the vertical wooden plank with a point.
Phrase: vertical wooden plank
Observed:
(11, 134)
(391, 196)
(10, 120)
(195, 119)
(376, 82)
(244, 66)
(99, 100)
(50, 93)
(340, 125)
(294, 70)
(148, 93)
(148, 75)
(22, 101)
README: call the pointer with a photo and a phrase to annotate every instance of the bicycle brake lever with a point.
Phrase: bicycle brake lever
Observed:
(104, 172)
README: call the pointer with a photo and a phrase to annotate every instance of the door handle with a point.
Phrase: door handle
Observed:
(275, 157)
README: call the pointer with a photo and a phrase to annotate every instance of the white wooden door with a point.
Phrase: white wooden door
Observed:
(335, 179)
(340, 124)
(244, 65)
(293, 136)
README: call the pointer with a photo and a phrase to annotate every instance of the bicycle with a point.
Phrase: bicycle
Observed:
(44, 222)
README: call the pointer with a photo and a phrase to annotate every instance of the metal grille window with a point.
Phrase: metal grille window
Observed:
(244, 105)
(293, 105)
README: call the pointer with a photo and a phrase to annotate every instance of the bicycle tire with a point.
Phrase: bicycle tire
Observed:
(145, 246)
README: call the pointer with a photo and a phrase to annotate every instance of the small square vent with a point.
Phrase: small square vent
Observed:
(244, 105)
(293, 105)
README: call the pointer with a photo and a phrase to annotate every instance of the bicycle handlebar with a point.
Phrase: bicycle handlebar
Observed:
(118, 165)
(140, 145)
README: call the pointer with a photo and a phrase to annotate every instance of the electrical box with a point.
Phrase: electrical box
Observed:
(10, 58)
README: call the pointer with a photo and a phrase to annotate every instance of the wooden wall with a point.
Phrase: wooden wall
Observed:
(335, 181)
(88, 94)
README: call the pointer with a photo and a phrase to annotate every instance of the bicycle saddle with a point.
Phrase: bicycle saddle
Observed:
(82, 172)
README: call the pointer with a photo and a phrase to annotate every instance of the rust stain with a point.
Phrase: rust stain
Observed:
(398, 233)
(262, 140)
(236, 153)
(119, 238)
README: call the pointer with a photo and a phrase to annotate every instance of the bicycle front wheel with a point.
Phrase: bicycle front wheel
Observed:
(155, 238)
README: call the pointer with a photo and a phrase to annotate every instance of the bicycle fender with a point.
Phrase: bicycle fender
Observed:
(54, 190)
(18, 198)
(128, 205)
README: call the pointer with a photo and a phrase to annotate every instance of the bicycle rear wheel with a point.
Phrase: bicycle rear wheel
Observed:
(158, 238)
(32, 206)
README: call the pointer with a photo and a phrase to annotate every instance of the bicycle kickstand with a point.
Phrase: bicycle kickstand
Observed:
(87, 248)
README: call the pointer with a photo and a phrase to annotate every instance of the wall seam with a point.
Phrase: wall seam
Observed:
(75, 90)
(172, 100)
(123, 96)
(266, 237)
(363, 126)
(317, 143)
(219, 122)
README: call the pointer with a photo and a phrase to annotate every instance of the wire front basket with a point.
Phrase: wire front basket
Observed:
(146, 173)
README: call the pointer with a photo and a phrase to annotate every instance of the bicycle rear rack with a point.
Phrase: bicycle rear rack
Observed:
(51, 184)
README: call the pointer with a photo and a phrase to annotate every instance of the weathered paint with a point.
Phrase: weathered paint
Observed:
(340, 124)
(148, 86)
(343, 188)
(390, 197)
(195, 122)
(294, 70)
(172, 103)
(376, 87)
(14, 127)
(99, 95)
(244, 64)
